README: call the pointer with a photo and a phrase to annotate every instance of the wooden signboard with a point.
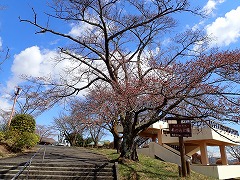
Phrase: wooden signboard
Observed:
(180, 130)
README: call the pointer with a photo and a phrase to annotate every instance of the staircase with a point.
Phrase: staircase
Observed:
(58, 171)
(87, 166)
(140, 140)
(163, 152)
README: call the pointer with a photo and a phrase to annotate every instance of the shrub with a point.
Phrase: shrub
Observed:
(23, 123)
(11, 138)
(21, 134)
(29, 139)
(2, 136)
(17, 141)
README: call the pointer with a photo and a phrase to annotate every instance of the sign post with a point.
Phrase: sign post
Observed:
(181, 130)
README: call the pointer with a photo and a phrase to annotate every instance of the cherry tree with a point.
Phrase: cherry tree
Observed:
(32, 100)
(101, 110)
(4, 117)
(118, 44)
(69, 127)
(234, 151)
(45, 131)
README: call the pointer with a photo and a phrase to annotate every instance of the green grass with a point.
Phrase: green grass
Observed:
(147, 168)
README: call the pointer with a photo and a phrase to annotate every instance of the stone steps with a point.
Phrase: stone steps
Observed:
(53, 171)
(83, 166)
(61, 177)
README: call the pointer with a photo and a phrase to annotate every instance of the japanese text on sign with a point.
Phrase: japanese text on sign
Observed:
(180, 130)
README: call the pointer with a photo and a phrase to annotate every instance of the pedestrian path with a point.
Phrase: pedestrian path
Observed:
(59, 163)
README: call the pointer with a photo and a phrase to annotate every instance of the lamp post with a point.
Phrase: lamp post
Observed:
(17, 92)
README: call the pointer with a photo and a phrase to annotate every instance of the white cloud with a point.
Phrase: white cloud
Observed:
(225, 30)
(79, 30)
(1, 43)
(4, 104)
(208, 9)
(211, 6)
(35, 62)
(31, 62)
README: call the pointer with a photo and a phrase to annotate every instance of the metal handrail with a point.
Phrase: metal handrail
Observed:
(29, 162)
(213, 124)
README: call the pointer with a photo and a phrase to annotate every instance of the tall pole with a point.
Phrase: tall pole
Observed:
(182, 153)
(181, 144)
(17, 92)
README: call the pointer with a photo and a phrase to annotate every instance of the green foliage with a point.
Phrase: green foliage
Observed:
(88, 140)
(28, 140)
(79, 140)
(21, 134)
(17, 140)
(23, 123)
(11, 138)
(2, 135)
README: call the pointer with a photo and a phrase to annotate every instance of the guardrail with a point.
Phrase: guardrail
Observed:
(29, 162)
(213, 124)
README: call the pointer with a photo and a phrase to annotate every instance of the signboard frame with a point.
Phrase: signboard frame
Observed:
(180, 130)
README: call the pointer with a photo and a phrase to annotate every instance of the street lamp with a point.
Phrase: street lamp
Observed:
(17, 92)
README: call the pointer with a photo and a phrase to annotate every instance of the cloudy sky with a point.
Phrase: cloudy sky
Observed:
(30, 52)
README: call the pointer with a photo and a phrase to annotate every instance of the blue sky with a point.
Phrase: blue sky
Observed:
(28, 50)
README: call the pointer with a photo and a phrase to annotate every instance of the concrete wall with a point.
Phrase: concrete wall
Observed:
(205, 134)
(165, 153)
(219, 172)
(159, 125)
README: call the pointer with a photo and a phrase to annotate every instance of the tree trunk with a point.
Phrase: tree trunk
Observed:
(128, 146)
(116, 136)
(116, 141)
(72, 139)
(95, 143)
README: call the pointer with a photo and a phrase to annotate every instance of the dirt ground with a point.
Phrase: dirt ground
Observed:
(4, 152)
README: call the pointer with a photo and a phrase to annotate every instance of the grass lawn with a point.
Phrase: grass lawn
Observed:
(147, 168)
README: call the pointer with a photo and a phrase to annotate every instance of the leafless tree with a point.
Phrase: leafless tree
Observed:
(234, 151)
(45, 131)
(121, 47)
(69, 126)
(4, 117)
(4, 56)
(97, 104)
(32, 100)
(96, 132)
(85, 111)
(4, 51)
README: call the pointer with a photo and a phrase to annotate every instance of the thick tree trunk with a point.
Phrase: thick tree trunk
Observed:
(96, 143)
(116, 142)
(116, 137)
(72, 139)
(128, 146)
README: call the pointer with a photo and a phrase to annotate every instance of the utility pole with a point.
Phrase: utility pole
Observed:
(16, 93)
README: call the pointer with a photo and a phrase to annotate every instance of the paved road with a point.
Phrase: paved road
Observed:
(60, 154)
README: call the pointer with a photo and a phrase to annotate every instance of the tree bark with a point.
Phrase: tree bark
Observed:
(116, 142)
(128, 146)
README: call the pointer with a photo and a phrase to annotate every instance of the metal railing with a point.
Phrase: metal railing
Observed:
(29, 162)
(212, 124)
(140, 140)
